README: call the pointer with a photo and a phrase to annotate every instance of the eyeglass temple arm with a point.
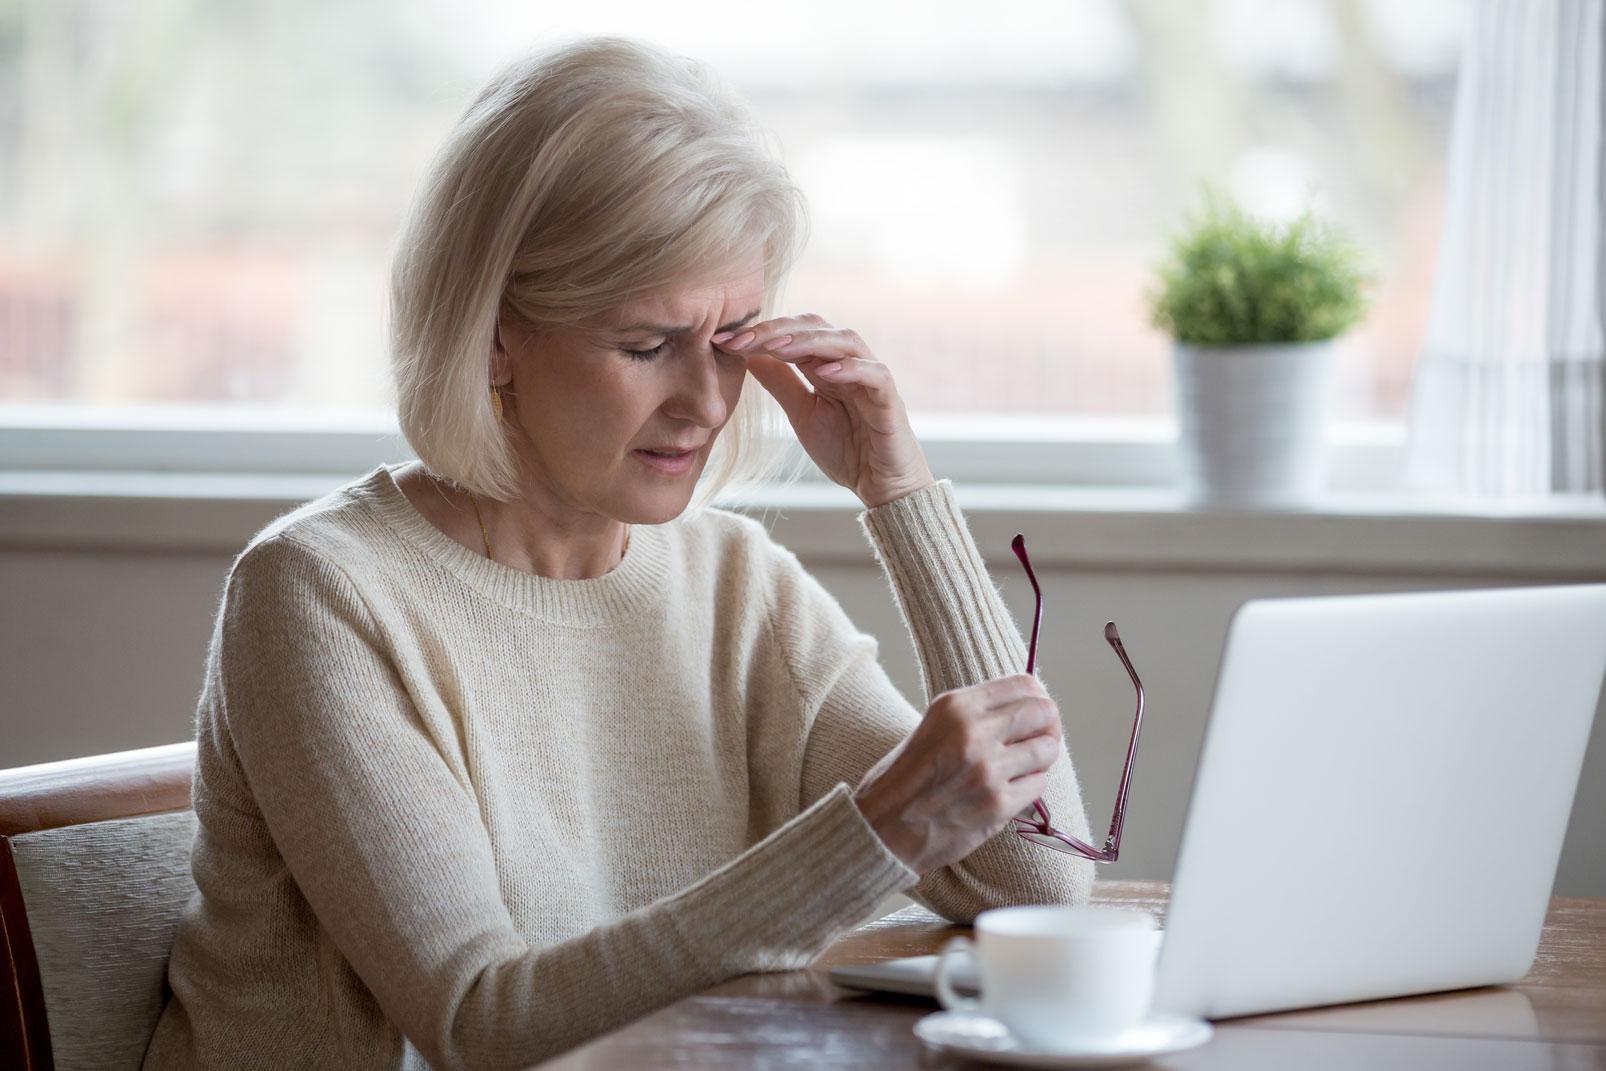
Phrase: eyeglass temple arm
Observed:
(1112, 843)
(1018, 545)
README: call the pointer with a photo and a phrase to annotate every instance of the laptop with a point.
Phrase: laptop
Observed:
(1379, 804)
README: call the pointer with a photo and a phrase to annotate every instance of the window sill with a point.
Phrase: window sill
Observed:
(1068, 526)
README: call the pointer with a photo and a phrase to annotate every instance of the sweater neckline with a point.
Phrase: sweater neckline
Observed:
(628, 587)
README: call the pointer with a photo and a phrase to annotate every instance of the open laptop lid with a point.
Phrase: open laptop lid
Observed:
(1381, 797)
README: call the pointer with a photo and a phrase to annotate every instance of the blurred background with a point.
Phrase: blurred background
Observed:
(198, 199)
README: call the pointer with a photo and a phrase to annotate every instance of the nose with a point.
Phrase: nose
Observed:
(698, 396)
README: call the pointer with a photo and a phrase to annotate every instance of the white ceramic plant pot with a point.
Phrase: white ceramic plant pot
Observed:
(1250, 420)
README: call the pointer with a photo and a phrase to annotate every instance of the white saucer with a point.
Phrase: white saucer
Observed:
(983, 1038)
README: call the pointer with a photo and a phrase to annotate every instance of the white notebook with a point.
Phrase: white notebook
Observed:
(914, 975)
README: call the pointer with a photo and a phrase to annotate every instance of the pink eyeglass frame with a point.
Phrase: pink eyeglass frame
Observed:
(1040, 829)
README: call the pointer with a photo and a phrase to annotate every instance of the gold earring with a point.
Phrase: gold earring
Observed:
(496, 401)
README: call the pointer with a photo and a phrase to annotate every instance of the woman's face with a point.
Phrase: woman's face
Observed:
(585, 406)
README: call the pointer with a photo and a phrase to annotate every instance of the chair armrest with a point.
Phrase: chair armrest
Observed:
(96, 788)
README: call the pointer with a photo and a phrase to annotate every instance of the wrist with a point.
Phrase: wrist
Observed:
(882, 494)
(884, 818)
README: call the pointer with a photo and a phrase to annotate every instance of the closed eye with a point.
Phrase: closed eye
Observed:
(673, 331)
(648, 355)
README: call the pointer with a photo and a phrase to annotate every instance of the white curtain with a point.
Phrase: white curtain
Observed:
(1508, 399)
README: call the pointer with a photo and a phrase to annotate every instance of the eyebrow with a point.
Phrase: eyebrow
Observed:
(681, 329)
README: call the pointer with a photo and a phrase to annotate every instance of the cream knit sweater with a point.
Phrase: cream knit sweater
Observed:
(456, 812)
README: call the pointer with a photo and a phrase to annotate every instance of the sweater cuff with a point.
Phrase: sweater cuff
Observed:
(822, 873)
(960, 625)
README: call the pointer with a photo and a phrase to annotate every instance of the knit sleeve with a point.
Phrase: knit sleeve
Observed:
(388, 848)
(963, 635)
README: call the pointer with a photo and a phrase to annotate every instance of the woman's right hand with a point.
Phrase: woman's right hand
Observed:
(978, 758)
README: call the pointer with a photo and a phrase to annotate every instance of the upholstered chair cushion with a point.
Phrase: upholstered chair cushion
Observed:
(103, 902)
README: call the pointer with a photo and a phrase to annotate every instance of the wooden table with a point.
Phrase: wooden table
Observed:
(1553, 1018)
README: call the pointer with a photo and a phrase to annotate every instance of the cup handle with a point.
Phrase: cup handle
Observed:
(946, 995)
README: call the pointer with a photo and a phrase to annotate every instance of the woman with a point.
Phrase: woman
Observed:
(501, 749)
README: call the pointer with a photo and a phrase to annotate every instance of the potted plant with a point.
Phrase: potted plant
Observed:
(1253, 308)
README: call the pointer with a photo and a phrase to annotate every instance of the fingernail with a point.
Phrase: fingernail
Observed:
(722, 336)
(830, 369)
(777, 342)
(744, 340)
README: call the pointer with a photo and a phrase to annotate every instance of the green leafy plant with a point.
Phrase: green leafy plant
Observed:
(1231, 279)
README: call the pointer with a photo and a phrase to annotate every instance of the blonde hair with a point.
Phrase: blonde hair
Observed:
(585, 175)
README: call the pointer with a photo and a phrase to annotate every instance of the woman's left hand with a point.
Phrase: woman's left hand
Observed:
(853, 423)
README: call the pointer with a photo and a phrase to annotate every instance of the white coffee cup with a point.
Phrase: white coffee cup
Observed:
(1058, 976)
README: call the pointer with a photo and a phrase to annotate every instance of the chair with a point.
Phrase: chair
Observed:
(94, 876)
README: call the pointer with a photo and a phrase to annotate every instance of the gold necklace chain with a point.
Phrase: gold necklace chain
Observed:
(475, 503)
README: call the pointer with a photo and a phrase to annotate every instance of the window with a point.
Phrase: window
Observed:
(199, 200)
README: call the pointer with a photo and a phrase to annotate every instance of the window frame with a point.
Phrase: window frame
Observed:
(1028, 449)
(1097, 496)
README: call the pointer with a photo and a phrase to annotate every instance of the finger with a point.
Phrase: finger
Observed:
(778, 325)
(828, 342)
(873, 377)
(1028, 718)
(1052, 723)
(1001, 691)
(1029, 756)
(1027, 788)
(788, 388)
(762, 335)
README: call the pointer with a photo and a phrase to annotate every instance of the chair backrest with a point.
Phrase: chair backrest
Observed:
(94, 876)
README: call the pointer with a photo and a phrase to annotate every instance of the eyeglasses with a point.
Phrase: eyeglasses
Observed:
(1034, 823)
